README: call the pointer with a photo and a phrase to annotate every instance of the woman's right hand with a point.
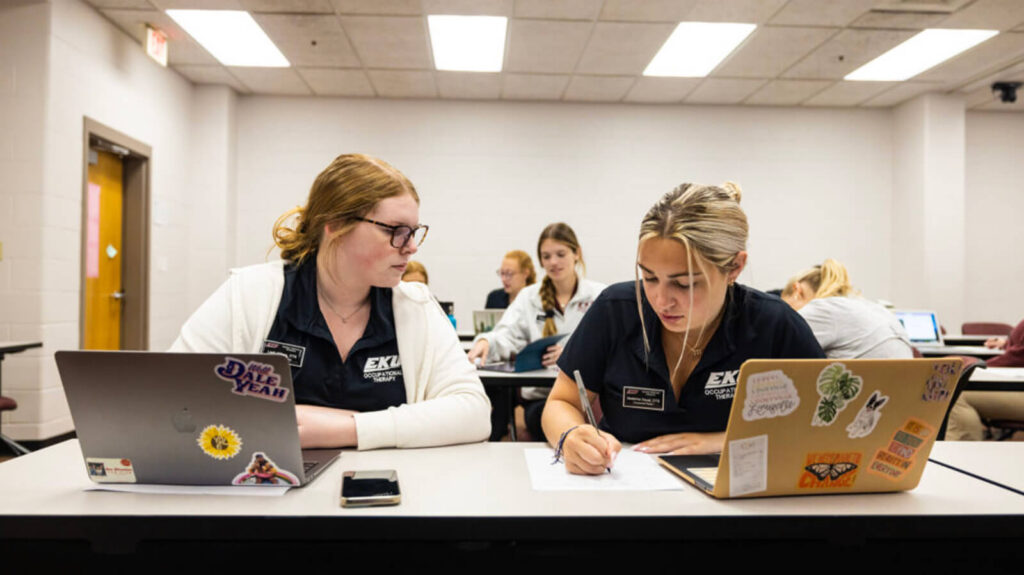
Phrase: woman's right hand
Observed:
(479, 350)
(996, 343)
(588, 451)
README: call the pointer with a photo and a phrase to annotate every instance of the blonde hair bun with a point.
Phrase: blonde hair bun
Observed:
(734, 190)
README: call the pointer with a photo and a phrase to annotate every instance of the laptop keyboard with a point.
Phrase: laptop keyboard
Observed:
(307, 465)
(708, 474)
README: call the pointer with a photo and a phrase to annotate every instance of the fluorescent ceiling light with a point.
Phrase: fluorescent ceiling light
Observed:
(468, 43)
(232, 36)
(921, 52)
(695, 48)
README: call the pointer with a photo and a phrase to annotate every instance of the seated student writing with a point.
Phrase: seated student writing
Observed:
(516, 272)
(554, 306)
(845, 324)
(966, 420)
(375, 362)
(663, 353)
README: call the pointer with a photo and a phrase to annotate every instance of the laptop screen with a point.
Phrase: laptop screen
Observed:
(921, 326)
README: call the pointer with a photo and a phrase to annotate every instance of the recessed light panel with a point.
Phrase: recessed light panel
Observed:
(695, 48)
(921, 52)
(468, 43)
(231, 36)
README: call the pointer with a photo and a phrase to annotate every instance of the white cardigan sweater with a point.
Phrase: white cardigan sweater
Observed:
(445, 402)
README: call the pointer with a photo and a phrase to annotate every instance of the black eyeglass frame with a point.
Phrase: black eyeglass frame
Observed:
(395, 232)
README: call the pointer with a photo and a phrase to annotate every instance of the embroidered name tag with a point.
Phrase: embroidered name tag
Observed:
(643, 398)
(294, 353)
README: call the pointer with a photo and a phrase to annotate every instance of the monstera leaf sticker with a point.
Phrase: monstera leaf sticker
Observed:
(837, 386)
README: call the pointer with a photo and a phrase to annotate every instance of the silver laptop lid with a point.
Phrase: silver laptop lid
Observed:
(183, 418)
(922, 326)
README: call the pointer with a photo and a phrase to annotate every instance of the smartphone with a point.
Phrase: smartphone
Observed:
(367, 488)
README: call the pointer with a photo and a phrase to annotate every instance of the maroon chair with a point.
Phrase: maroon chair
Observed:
(8, 404)
(986, 328)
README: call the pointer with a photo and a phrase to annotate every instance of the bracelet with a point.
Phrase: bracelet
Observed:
(561, 444)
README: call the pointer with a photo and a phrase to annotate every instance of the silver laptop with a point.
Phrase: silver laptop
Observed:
(187, 418)
(923, 327)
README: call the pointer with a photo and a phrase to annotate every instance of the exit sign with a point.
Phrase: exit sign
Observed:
(156, 45)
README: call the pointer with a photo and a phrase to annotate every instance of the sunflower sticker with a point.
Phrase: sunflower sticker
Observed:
(219, 442)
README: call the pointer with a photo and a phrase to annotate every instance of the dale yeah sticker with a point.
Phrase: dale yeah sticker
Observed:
(252, 378)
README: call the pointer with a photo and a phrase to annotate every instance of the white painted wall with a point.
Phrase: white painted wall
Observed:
(994, 212)
(816, 182)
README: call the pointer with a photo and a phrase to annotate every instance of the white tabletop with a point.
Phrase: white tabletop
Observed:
(998, 374)
(483, 480)
(972, 350)
(999, 461)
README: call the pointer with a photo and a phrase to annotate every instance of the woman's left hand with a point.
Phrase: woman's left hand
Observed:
(683, 443)
(325, 426)
(551, 355)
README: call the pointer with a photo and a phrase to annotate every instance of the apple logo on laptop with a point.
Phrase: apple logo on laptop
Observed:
(183, 421)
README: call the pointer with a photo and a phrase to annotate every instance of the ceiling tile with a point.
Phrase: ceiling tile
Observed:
(1010, 73)
(558, 9)
(901, 93)
(849, 93)
(787, 92)
(468, 85)
(845, 52)
(987, 15)
(131, 4)
(469, 7)
(771, 50)
(309, 40)
(980, 98)
(821, 12)
(661, 90)
(336, 82)
(389, 42)
(181, 48)
(546, 45)
(723, 91)
(898, 20)
(995, 105)
(403, 84)
(746, 11)
(598, 88)
(378, 7)
(991, 55)
(647, 10)
(278, 81)
(210, 75)
(289, 6)
(616, 48)
(197, 4)
(533, 86)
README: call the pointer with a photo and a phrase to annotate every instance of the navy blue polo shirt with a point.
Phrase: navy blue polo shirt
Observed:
(369, 380)
(636, 393)
(497, 299)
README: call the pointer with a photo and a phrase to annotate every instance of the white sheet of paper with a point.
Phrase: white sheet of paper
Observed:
(268, 491)
(633, 471)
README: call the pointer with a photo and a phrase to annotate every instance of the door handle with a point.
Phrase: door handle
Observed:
(117, 295)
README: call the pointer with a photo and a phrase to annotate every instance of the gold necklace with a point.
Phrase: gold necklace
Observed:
(344, 319)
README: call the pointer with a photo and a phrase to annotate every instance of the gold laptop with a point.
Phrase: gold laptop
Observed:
(817, 426)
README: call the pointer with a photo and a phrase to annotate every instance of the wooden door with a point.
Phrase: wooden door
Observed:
(102, 274)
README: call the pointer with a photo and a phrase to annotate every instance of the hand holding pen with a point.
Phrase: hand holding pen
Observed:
(587, 449)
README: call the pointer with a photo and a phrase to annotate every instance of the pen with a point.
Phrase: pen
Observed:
(589, 413)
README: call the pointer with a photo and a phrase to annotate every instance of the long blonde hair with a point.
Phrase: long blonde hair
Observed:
(709, 222)
(347, 189)
(830, 279)
(563, 234)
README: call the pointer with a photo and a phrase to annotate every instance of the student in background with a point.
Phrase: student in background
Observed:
(375, 362)
(554, 306)
(846, 325)
(676, 336)
(415, 272)
(965, 421)
(516, 272)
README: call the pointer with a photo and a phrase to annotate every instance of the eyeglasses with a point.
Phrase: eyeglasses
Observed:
(400, 235)
(505, 274)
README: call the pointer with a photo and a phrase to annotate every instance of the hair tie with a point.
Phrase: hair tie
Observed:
(561, 443)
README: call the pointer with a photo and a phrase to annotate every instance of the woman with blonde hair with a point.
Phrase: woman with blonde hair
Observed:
(846, 325)
(416, 272)
(552, 307)
(663, 352)
(374, 362)
(516, 272)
